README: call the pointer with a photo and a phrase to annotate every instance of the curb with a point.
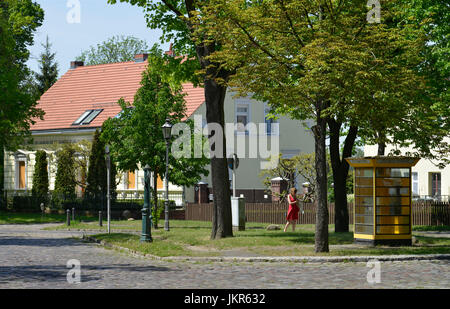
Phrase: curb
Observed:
(282, 259)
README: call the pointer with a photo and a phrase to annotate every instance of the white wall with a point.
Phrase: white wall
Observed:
(424, 169)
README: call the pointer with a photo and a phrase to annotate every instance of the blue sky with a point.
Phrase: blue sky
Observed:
(98, 22)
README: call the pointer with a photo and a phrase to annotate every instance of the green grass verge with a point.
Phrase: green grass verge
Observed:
(34, 218)
(192, 238)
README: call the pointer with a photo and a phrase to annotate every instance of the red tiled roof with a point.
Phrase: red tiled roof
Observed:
(98, 87)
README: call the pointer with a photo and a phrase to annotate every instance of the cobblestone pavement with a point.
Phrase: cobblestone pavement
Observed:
(32, 258)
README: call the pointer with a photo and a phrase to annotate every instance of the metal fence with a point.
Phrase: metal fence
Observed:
(423, 213)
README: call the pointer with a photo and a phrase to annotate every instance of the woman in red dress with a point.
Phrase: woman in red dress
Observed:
(292, 215)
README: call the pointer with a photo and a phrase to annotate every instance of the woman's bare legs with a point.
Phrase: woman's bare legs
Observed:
(293, 225)
(286, 226)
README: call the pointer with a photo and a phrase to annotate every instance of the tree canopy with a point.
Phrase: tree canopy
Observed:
(115, 49)
(19, 19)
(135, 135)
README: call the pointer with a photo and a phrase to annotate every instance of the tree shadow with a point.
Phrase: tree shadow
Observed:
(52, 273)
(38, 242)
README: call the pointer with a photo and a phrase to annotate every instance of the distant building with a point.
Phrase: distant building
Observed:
(428, 180)
(83, 98)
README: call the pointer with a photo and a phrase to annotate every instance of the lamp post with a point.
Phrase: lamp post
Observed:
(167, 133)
(146, 210)
(108, 180)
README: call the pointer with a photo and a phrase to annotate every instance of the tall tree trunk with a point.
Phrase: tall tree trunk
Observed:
(381, 148)
(2, 178)
(222, 224)
(155, 199)
(340, 169)
(215, 98)
(321, 237)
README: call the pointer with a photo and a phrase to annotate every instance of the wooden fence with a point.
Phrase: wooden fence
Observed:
(424, 213)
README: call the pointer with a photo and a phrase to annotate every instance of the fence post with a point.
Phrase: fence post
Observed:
(73, 214)
(100, 218)
(68, 217)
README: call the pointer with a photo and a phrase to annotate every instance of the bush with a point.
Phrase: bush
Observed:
(26, 203)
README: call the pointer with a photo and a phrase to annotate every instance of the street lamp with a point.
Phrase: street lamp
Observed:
(167, 133)
(108, 196)
(146, 210)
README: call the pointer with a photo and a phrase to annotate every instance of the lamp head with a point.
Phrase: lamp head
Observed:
(167, 130)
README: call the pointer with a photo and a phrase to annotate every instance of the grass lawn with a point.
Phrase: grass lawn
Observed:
(34, 218)
(192, 238)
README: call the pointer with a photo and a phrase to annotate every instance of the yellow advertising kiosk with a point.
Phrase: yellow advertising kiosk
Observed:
(382, 207)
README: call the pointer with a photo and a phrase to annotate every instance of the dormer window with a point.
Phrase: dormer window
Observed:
(87, 117)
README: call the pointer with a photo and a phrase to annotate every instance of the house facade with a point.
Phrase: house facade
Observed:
(83, 98)
(428, 180)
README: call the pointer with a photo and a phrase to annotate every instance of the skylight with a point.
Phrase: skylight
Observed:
(87, 117)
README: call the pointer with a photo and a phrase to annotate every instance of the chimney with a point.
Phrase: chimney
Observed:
(76, 64)
(170, 52)
(140, 57)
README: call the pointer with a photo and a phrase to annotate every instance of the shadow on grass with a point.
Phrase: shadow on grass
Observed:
(303, 237)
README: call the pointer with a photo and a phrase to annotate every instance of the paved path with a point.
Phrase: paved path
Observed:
(32, 258)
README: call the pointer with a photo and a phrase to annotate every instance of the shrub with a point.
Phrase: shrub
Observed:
(40, 178)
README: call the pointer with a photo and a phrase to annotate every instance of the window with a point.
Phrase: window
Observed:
(271, 124)
(21, 171)
(131, 180)
(242, 117)
(415, 183)
(435, 184)
(87, 117)
(22, 182)
(159, 183)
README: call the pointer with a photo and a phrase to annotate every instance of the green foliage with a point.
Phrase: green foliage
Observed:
(115, 49)
(96, 177)
(65, 182)
(302, 165)
(19, 19)
(48, 68)
(135, 136)
(40, 177)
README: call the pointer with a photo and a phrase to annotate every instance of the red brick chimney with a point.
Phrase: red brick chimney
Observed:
(76, 64)
(170, 52)
(140, 57)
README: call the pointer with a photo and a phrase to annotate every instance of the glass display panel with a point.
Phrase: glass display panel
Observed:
(392, 172)
(392, 182)
(393, 201)
(363, 191)
(393, 210)
(363, 210)
(363, 219)
(363, 182)
(393, 229)
(393, 220)
(364, 172)
(364, 229)
(395, 191)
(364, 201)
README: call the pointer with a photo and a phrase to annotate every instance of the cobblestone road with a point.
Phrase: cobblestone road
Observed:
(32, 258)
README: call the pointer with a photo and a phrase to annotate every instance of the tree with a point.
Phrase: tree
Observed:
(18, 22)
(322, 60)
(114, 49)
(135, 136)
(40, 177)
(289, 169)
(96, 176)
(48, 68)
(65, 182)
(177, 20)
